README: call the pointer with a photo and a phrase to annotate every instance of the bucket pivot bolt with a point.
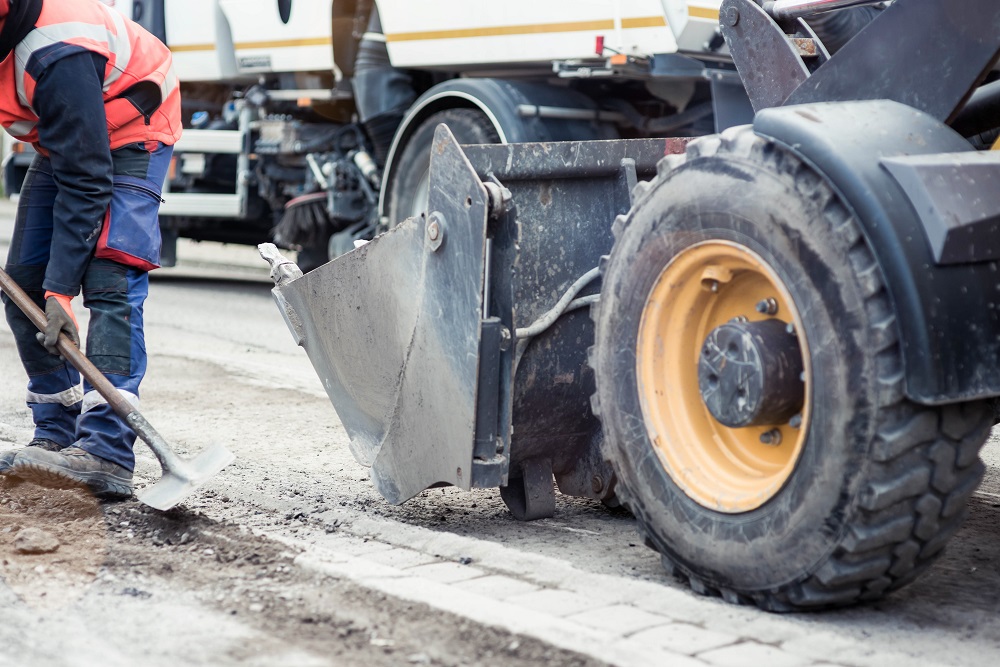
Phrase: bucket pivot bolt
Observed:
(435, 230)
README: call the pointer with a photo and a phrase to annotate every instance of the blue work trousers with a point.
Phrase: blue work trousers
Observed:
(63, 410)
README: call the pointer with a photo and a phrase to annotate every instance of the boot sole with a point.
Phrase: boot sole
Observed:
(101, 484)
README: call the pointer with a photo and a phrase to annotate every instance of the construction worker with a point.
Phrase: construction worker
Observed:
(97, 97)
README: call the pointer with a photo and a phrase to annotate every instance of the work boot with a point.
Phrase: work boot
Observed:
(74, 466)
(7, 458)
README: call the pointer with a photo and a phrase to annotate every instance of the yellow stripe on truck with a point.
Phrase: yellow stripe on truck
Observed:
(191, 48)
(243, 46)
(526, 29)
(703, 13)
(647, 22)
(286, 43)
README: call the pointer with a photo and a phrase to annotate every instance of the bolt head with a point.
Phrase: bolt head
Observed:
(772, 437)
(767, 306)
(433, 231)
(732, 17)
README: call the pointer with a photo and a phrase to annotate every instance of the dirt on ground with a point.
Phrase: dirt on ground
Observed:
(129, 551)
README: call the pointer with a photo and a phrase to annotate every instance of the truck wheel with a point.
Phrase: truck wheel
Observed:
(410, 185)
(750, 384)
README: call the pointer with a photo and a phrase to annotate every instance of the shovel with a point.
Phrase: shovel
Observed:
(180, 476)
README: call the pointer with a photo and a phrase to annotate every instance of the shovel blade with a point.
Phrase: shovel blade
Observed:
(179, 482)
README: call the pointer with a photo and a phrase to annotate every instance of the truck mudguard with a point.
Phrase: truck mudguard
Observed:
(946, 309)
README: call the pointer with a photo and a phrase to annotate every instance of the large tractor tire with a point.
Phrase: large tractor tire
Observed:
(410, 184)
(750, 384)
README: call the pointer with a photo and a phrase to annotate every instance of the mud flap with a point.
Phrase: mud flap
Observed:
(393, 330)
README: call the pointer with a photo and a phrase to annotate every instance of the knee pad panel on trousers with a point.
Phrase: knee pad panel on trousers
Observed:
(105, 294)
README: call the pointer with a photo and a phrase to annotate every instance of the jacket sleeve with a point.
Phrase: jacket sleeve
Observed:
(72, 129)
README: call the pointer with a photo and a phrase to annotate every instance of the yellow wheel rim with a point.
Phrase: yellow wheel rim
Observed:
(725, 469)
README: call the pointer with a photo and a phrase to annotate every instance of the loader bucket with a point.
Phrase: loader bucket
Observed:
(393, 330)
(434, 387)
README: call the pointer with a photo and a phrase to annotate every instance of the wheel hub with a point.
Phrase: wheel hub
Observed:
(750, 373)
(728, 426)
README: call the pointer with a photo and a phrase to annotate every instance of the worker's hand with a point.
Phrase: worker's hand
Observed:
(59, 318)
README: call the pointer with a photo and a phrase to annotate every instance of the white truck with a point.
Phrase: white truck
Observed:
(309, 122)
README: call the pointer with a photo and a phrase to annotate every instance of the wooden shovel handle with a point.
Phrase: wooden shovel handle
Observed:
(66, 347)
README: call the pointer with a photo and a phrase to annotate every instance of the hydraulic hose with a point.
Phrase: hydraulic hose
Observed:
(567, 303)
(557, 311)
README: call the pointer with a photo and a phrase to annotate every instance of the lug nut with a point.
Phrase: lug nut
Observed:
(796, 421)
(772, 437)
(767, 306)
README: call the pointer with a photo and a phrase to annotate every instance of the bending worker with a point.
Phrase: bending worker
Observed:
(97, 97)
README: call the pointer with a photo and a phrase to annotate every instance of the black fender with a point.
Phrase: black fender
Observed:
(504, 102)
(946, 307)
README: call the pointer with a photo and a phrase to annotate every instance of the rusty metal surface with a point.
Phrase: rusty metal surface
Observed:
(805, 46)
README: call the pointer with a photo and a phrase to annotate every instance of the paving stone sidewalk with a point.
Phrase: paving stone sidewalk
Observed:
(616, 620)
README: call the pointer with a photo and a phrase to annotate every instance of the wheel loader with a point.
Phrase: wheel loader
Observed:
(778, 345)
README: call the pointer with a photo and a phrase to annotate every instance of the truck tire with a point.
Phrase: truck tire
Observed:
(410, 185)
(858, 490)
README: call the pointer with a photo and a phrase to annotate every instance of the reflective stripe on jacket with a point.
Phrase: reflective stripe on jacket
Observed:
(141, 91)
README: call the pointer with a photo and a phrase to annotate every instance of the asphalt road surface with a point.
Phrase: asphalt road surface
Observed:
(290, 557)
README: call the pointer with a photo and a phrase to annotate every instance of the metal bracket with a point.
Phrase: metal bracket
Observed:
(531, 495)
(769, 62)
(629, 177)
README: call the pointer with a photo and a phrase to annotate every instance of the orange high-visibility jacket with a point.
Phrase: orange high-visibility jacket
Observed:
(141, 91)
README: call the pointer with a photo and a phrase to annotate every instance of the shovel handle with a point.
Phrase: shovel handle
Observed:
(80, 362)
(66, 347)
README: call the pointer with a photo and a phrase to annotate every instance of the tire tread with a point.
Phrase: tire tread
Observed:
(924, 461)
